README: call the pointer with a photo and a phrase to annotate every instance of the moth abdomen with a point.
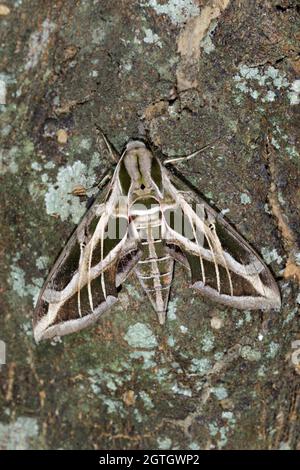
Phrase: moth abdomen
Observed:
(155, 268)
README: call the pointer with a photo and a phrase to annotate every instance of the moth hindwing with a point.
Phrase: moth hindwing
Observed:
(144, 221)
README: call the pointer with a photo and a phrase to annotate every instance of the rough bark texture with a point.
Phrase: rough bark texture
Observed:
(186, 72)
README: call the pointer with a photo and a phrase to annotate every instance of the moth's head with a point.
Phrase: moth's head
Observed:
(137, 157)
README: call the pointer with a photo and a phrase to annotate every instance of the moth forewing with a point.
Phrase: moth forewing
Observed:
(54, 314)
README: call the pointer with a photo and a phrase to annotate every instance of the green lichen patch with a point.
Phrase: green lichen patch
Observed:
(151, 37)
(200, 366)
(37, 43)
(59, 198)
(21, 287)
(172, 309)
(147, 357)
(271, 255)
(263, 84)
(178, 11)
(245, 199)
(220, 392)
(294, 93)
(250, 354)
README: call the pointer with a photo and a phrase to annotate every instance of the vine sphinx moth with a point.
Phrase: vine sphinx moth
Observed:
(144, 221)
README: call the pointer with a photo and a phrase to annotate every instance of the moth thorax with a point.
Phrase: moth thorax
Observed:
(138, 162)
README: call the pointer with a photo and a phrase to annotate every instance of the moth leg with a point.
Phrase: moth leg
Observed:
(104, 180)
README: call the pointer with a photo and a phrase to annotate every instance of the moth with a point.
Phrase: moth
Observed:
(144, 221)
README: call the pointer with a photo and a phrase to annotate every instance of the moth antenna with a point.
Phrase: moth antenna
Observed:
(192, 155)
(102, 253)
(108, 145)
(111, 153)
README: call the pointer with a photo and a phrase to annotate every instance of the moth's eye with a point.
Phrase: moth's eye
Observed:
(142, 186)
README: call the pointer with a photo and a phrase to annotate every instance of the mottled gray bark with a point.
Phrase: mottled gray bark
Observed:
(186, 72)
